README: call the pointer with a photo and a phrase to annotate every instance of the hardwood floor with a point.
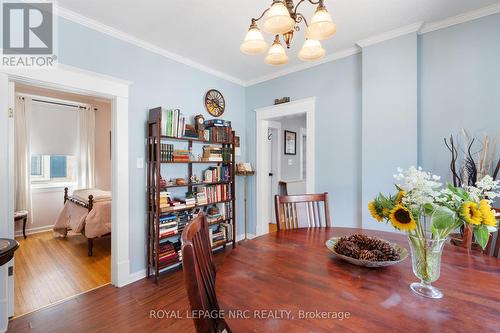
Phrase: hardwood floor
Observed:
(110, 309)
(273, 227)
(48, 269)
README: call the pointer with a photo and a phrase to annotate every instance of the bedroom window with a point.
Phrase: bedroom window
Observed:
(53, 169)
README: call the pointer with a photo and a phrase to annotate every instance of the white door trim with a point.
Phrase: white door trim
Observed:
(302, 133)
(71, 79)
(263, 116)
(277, 168)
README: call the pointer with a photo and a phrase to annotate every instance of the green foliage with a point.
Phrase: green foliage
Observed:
(443, 218)
(481, 235)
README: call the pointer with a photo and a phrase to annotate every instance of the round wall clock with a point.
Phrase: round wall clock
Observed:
(215, 103)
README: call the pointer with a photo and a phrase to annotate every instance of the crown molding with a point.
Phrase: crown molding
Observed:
(332, 57)
(98, 26)
(462, 18)
(408, 29)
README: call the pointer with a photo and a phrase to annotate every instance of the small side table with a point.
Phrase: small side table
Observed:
(245, 174)
(22, 215)
(7, 249)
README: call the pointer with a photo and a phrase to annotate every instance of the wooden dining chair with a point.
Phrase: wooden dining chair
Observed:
(199, 275)
(297, 211)
(493, 247)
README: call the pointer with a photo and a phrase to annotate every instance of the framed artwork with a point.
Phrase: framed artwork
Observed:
(290, 143)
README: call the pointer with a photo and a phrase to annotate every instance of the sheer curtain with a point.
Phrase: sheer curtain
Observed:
(86, 158)
(22, 155)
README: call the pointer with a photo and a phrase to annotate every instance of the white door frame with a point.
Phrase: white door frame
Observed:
(75, 80)
(302, 133)
(263, 116)
(277, 168)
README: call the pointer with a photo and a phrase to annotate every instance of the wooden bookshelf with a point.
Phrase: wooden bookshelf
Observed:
(157, 168)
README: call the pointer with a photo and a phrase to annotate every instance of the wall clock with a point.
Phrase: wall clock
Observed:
(215, 103)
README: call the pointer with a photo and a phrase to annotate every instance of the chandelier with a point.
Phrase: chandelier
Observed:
(283, 18)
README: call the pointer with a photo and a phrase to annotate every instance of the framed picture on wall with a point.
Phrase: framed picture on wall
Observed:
(290, 143)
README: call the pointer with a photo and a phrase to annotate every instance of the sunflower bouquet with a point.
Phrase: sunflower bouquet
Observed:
(428, 214)
(421, 208)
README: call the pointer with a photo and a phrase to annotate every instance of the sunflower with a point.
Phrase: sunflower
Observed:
(402, 218)
(487, 213)
(471, 213)
(400, 196)
(373, 210)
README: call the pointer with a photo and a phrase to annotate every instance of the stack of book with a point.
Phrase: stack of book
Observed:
(166, 152)
(172, 123)
(164, 201)
(168, 226)
(217, 235)
(168, 254)
(190, 132)
(217, 174)
(180, 155)
(211, 218)
(218, 130)
(228, 227)
(201, 197)
(216, 154)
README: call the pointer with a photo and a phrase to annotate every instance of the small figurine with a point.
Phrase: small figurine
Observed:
(194, 179)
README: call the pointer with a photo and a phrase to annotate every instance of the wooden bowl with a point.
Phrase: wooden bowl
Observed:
(403, 254)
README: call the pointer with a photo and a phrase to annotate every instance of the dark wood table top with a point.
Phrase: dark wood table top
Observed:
(292, 270)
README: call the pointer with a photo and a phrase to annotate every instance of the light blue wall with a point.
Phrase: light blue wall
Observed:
(389, 116)
(460, 87)
(337, 87)
(157, 81)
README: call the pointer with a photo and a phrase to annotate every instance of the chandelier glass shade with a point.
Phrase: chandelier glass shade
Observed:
(283, 19)
(276, 54)
(278, 20)
(311, 50)
(254, 42)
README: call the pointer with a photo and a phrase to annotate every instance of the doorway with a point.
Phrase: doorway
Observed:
(67, 79)
(264, 120)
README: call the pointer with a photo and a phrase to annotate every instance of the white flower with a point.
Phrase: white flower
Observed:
(420, 187)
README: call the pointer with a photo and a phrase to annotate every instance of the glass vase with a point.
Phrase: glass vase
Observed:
(426, 262)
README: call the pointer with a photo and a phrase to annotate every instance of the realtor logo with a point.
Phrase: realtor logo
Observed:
(28, 34)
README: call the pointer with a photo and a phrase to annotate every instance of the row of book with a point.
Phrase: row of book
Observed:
(216, 154)
(173, 123)
(218, 134)
(221, 173)
(221, 234)
(169, 253)
(214, 193)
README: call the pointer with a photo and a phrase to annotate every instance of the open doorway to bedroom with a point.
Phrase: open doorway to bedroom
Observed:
(63, 164)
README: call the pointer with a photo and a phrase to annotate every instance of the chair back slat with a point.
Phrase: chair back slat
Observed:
(295, 211)
(199, 272)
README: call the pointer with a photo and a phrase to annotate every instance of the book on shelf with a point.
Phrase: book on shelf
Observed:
(216, 154)
(173, 123)
(219, 173)
(218, 130)
(217, 123)
(215, 193)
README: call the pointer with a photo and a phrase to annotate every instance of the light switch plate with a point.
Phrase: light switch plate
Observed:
(140, 163)
(290, 162)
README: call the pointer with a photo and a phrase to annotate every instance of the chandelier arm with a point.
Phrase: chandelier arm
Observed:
(299, 18)
(261, 15)
(314, 2)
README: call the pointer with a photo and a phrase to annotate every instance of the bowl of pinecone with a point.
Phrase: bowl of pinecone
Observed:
(366, 251)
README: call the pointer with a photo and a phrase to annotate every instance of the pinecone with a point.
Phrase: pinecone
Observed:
(390, 253)
(358, 239)
(366, 255)
(347, 248)
(379, 255)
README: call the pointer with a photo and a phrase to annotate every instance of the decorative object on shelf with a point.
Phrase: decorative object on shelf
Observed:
(215, 103)
(245, 170)
(290, 143)
(199, 125)
(281, 100)
(365, 251)
(283, 18)
(194, 179)
(180, 181)
(428, 214)
(470, 171)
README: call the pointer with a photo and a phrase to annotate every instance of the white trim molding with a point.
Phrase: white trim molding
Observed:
(110, 31)
(263, 116)
(462, 18)
(412, 28)
(69, 79)
(297, 68)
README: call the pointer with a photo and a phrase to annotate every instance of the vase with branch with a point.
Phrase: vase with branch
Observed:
(428, 214)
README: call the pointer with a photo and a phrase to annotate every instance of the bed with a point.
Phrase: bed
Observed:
(87, 211)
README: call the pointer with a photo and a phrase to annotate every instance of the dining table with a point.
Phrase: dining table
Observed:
(288, 281)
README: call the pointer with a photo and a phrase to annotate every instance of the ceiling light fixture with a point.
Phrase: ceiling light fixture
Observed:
(282, 18)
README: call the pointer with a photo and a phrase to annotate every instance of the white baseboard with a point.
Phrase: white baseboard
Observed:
(36, 230)
(242, 236)
(139, 275)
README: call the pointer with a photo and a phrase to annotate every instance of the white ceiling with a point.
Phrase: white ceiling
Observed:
(209, 32)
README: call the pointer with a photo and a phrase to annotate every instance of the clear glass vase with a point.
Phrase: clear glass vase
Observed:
(426, 261)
